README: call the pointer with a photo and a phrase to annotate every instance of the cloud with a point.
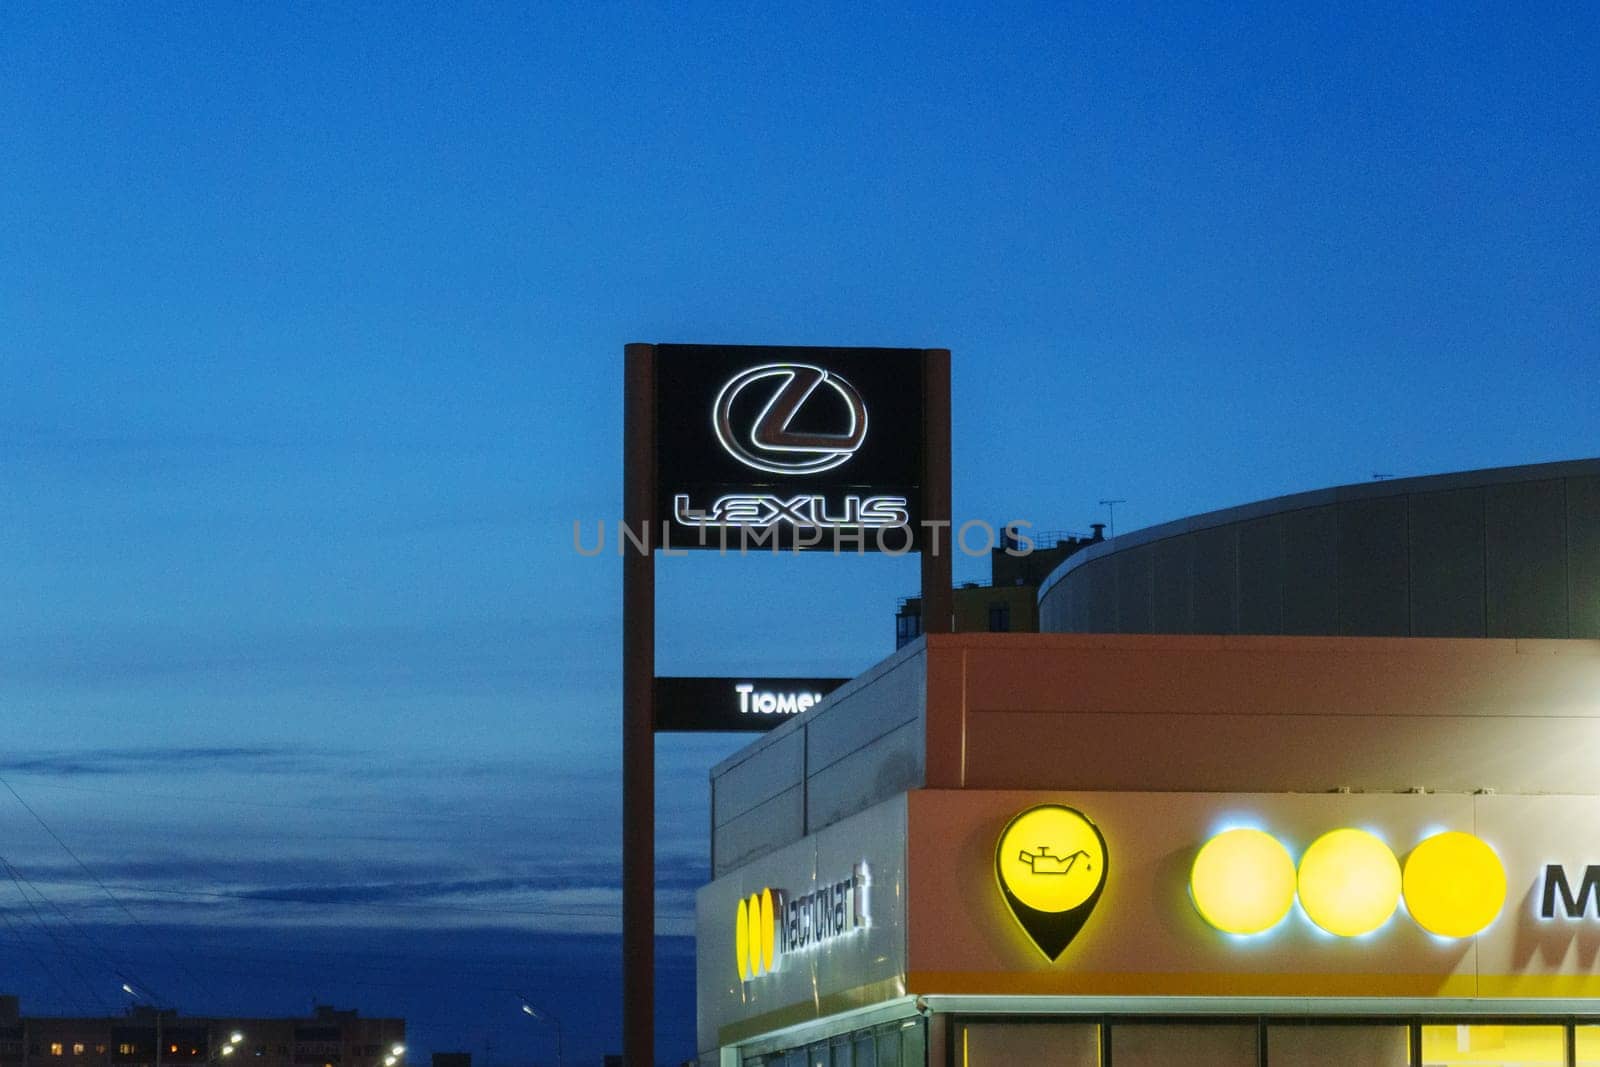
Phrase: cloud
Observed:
(473, 655)
(101, 762)
(583, 892)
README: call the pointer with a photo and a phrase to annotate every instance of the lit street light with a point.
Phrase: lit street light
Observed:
(529, 1009)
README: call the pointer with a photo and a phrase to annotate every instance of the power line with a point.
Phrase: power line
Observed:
(193, 982)
(38, 918)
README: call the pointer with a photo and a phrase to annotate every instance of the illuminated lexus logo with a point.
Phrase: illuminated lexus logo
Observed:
(771, 442)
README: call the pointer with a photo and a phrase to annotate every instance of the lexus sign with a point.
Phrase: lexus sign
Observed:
(782, 448)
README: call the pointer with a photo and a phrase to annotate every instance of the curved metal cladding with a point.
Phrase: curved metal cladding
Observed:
(1508, 552)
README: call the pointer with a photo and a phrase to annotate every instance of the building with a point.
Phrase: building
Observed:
(1510, 552)
(1009, 603)
(1215, 850)
(147, 1037)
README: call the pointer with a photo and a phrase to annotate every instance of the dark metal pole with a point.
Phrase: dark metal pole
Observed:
(937, 557)
(638, 708)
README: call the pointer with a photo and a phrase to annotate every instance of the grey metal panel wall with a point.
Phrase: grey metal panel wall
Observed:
(1583, 556)
(1527, 575)
(1310, 572)
(1214, 607)
(862, 744)
(1173, 586)
(1102, 599)
(1261, 576)
(1512, 552)
(1447, 564)
(758, 831)
(1374, 584)
(1135, 575)
(889, 765)
(770, 770)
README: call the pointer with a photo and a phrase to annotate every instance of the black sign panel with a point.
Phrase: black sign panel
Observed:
(767, 447)
(702, 705)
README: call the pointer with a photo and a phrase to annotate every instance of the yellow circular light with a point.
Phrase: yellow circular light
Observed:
(768, 928)
(741, 939)
(1454, 884)
(1349, 882)
(1243, 881)
(755, 934)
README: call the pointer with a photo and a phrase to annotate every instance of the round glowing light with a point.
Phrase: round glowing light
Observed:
(1349, 882)
(1454, 884)
(768, 928)
(741, 939)
(1243, 882)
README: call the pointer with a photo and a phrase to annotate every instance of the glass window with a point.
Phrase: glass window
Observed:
(817, 1055)
(864, 1051)
(1588, 1045)
(1191, 1044)
(1500, 1046)
(1313, 1045)
(55, 1048)
(1031, 1044)
(999, 618)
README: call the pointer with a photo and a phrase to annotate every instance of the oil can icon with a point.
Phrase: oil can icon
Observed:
(1051, 888)
(1042, 862)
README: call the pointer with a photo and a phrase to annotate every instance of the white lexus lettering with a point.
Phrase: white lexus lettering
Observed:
(763, 510)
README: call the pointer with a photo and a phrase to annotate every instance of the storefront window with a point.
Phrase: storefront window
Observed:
(1314, 1045)
(1479, 1044)
(1588, 1046)
(1030, 1044)
(1189, 1044)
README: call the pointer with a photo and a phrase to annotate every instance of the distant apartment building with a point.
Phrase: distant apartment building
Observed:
(1009, 603)
(148, 1037)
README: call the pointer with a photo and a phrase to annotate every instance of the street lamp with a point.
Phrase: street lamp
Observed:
(546, 1017)
(136, 995)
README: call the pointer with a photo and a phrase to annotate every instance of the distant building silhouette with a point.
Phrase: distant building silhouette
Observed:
(151, 1037)
(1009, 603)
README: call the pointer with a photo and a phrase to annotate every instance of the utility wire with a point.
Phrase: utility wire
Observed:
(34, 951)
(193, 981)
(123, 972)
(51, 934)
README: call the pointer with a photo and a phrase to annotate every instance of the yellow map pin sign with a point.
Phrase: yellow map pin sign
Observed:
(1051, 866)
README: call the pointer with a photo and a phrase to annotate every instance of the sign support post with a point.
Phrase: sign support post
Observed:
(937, 553)
(638, 707)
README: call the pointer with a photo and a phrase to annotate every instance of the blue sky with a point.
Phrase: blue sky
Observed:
(310, 355)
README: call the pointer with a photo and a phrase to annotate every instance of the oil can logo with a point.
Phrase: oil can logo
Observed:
(812, 420)
(1051, 868)
(772, 925)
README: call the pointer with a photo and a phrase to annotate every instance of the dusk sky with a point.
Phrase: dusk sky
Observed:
(311, 328)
